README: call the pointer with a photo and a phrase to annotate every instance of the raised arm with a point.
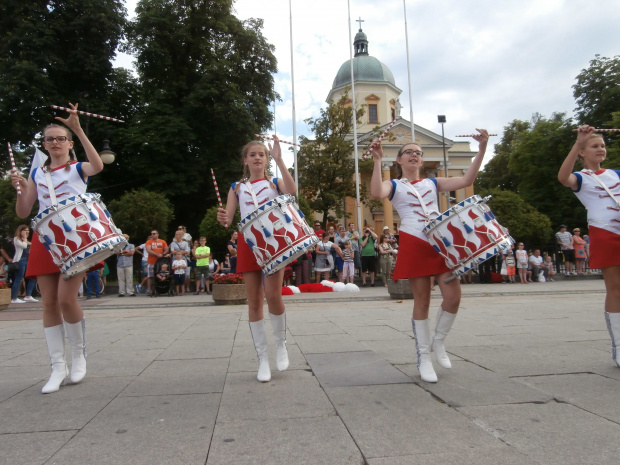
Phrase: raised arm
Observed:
(565, 175)
(94, 164)
(452, 184)
(288, 183)
(379, 189)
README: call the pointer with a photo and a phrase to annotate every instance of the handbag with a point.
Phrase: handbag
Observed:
(13, 267)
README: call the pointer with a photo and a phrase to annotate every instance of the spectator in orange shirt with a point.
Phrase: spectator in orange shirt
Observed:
(155, 248)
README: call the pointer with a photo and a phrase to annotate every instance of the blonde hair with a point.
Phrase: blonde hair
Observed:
(246, 171)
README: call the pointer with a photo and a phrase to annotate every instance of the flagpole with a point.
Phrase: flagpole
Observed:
(293, 103)
(355, 154)
(409, 74)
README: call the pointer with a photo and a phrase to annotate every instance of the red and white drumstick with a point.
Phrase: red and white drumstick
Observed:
(601, 130)
(271, 138)
(369, 151)
(18, 187)
(472, 135)
(217, 191)
(107, 118)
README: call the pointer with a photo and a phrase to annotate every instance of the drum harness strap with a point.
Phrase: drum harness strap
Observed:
(606, 189)
(415, 192)
(50, 189)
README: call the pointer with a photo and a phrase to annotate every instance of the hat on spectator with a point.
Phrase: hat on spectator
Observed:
(562, 226)
(386, 227)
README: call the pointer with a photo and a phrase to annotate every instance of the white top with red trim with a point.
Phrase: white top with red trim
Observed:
(262, 189)
(67, 183)
(603, 211)
(412, 214)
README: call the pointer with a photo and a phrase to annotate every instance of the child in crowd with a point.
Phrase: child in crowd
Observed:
(348, 270)
(510, 266)
(178, 266)
(163, 273)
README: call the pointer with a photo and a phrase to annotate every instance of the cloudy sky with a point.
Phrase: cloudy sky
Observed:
(481, 63)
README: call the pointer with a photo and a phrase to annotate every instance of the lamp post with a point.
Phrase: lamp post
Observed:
(106, 153)
(442, 119)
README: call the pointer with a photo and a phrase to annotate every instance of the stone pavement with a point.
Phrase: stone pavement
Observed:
(172, 381)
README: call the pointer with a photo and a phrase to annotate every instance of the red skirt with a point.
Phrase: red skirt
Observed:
(604, 248)
(246, 261)
(417, 257)
(40, 260)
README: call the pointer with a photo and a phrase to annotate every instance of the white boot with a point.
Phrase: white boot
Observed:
(278, 325)
(422, 334)
(613, 325)
(55, 337)
(442, 328)
(76, 333)
(257, 328)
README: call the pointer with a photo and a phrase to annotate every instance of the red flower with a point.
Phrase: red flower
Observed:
(228, 279)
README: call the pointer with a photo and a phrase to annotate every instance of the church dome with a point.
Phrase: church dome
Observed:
(365, 67)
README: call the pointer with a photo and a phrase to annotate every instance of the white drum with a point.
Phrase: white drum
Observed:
(78, 232)
(467, 234)
(277, 233)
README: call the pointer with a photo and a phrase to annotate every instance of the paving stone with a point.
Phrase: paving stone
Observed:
(198, 376)
(353, 369)
(467, 384)
(145, 431)
(552, 433)
(289, 394)
(591, 392)
(376, 417)
(197, 348)
(71, 408)
(284, 442)
(328, 343)
(31, 448)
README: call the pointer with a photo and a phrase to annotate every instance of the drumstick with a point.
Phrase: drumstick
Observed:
(472, 135)
(217, 191)
(601, 130)
(271, 138)
(107, 118)
(18, 187)
(380, 138)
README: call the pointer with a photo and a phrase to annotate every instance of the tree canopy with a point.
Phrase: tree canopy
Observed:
(597, 91)
(325, 162)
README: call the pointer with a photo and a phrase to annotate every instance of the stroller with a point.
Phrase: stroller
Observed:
(162, 286)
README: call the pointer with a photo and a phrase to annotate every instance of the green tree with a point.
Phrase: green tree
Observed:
(325, 163)
(597, 91)
(536, 160)
(53, 52)
(208, 81)
(217, 236)
(139, 211)
(497, 172)
(524, 222)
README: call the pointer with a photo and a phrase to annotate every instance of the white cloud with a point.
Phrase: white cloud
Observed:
(481, 63)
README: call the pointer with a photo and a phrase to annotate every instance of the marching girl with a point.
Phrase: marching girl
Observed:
(256, 187)
(415, 199)
(60, 296)
(599, 191)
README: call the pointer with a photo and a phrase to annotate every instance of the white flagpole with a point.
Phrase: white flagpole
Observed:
(293, 103)
(357, 177)
(409, 74)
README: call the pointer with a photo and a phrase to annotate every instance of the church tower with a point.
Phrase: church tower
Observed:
(376, 91)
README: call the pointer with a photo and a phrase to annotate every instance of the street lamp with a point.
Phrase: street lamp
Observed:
(106, 153)
(442, 119)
